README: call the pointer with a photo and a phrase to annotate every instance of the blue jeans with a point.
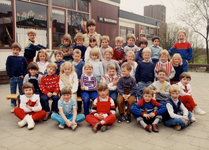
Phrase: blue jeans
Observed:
(114, 96)
(140, 88)
(178, 121)
(13, 86)
(57, 117)
(45, 103)
(185, 65)
(161, 102)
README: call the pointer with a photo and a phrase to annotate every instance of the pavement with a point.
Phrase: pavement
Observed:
(47, 136)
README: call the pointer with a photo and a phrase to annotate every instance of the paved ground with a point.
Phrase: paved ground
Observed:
(46, 135)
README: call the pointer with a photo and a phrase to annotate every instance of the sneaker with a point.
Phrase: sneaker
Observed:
(128, 118)
(22, 123)
(177, 127)
(199, 111)
(121, 119)
(105, 127)
(193, 118)
(61, 126)
(47, 116)
(12, 109)
(73, 127)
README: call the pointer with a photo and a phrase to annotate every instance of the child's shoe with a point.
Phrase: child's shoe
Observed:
(105, 127)
(155, 128)
(128, 118)
(12, 109)
(47, 116)
(61, 126)
(199, 111)
(30, 122)
(177, 127)
(193, 118)
(73, 127)
(96, 126)
(148, 128)
(22, 123)
(121, 119)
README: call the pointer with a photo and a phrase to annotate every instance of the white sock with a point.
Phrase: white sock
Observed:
(143, 123)
(156, 121)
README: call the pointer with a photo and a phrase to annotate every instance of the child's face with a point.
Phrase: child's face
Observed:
(42, 56)
(33, 71)
(31, 36)
(15, 51)
(161, 76)
(176, 61)
(111, 72)
(185, 81)
(94, 57)
(181, 37)
(91, 28)
(131, 41)
(119, 44)
(130, 57)
(105, 43)
(108, 56)
(51, 71)
(67, 70)
(164, 58)
(79, 42)
(28, 92)
(58, 57)
(156, 42)
(147, 97)
(88, 71)
(104, 93)
(66, 43)
(66, 97)
(143, 45)
(76, 57)
(125, 72)
(93, 44)
(146, 56)
(174, 95)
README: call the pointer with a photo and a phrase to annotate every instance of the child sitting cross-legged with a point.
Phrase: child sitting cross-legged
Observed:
(67, 111)
(145, 113)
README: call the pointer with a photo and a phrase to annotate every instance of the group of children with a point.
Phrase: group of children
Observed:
(111, 78)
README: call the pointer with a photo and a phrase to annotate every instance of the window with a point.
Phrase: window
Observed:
(130, 31)
(123, 34)
(152, 31)
(44, 1)
(83, 5)
(144, 30)
(64, 3)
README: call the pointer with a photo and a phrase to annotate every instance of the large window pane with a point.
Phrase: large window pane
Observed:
(64, 3)
(123, 34)
(83, 5)
(144, 30)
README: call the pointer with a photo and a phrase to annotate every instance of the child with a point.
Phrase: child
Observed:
(172, 118)
(130, 56)
(118, 51)
(176, 61)
(42, 61)
(108, 60)
(112, 81)
(30, 109)
(155, 50)
(97, 65)
(59, 60)
(79, 39)
(88, 86)
(31, 46)
(131, 46)
(69, 78)
(92, 44)
(105, 40)
(163, 63)
(186, 95)
(183, 48)
(161, 87)
(50, 88)
(103, 111)
(146, 113)
(126, 89)
(142, 44)
(67, 110)
(66, 48)
(16, 68)
(144, 73)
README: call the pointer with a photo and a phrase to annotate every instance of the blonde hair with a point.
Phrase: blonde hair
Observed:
(31, 31)
(164, 52)
(119, 39)
(58, 52)
(66, 37)
(174, 88)
(131, 36)
(146, 50)
(102, 87)
(126, 65)
(39, 52)
(77, 51)
(182, 31)
(176, 56)
(88, 65)
(66, 90)
(52, 65)
(130, 53)
(66, 64)
(79, 35)
(105, 37)
(108, 50)
(16, 45)
(110, 66)
(94, 51)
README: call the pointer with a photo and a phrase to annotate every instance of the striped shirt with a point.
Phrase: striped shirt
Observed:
(90, 82)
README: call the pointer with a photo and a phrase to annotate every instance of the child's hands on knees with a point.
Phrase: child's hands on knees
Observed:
(83, 88)
(152, 115)
(54, 94)
(186, 119)
(74, 123)
(147, 116)
(49, 94)
(68, 123)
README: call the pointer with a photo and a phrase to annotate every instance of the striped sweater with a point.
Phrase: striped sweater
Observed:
(90, 82)
(133, 48)
(168, 67)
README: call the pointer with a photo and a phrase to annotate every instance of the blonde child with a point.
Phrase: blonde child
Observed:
(79, 39)
(66, 48)
(42, 61)
(105, 40)
(118, 51)
(130, 56)
(92, 44)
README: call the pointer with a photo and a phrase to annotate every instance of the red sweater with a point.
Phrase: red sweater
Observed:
(118, 54)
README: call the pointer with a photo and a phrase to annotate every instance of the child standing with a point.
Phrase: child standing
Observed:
(92, 44)
(66, 48)
(126, 89)
(105, 40)
(67, 111)
(103, 111)
(142, 44)
(16, 68)
(130, 56)
(118, 51)
(30, 109)
(155, 50)
(183, 48)
(59, 60)
(42, 61)
(145, 113)
(79, 39)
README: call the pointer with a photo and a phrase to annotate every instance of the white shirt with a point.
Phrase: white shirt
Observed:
(88, 52)
(182, 87)
(42, 66)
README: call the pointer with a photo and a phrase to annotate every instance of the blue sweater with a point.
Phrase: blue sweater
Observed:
(145, 72)
(83, 50)
(58, 66)
(155, 52)
(140, 58)
(16, 66)
(78, 68)
(178, 70)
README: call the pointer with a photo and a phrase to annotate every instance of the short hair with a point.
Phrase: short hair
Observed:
(90, 22)
(33, 65)
(92, 39)
(77, 51)
(88, 65)
(143, 40)
(66, 64)
(154, 38)
(39, 52)
(79, 35)
(174, 88)
(182, 31)
(52, 65)
(16, 45)
(185, 75)
(162, 70)
(66, 90)
(146, 50)
(102, 86)
(28, 85)
(58, 52)
(131, 36)
(66, 37)
(176, 55)
(119, 39)
(148, 91)
(31, 31)
(94, 51)
(126, 65)
(108, 50)
(130, 53)
(110, 66)
(105, 37)
(164, 52)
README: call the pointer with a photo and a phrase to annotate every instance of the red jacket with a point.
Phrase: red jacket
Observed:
(118, 54)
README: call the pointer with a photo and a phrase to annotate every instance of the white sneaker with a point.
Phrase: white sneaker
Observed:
(73, 127)
(61, 126)
(12, 109)
(193, 118)
(22, 123)
(199, 111)
(30, 121)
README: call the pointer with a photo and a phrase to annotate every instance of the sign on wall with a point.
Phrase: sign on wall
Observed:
(107, 20)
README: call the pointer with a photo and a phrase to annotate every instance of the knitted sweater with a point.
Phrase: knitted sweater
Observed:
(114, 62)
(42, 66)
(133, 48)
(83, 50)
(72, 80)
(118, 54)
(67, 50)
(178, 71)
(101, 51)
(79, 68)
(58, 66)
(155, 52)
(110, 81)
(168, 67)
(90, 82)
(140, 58)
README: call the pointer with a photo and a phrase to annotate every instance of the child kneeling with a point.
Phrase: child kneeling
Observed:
(67, 111)
(30, 109)
(103, 111)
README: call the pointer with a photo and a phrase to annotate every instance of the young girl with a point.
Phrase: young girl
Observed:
(66, 48)
(92, 44)
(69, 78)
(42, 61)
(176, 61)
(97, 65)
(130, 56)
(30, 109)
(103, 111)
(67, 111)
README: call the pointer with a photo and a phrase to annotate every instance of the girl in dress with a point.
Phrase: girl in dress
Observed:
(42, 61)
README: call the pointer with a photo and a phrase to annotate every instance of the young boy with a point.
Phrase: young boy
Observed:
(50, 88)
(67, 111)
(112, 81)
(59, 60)
(142, 44)
(155, 50)
(146, 113)
(79, 39)
(161, 87)
(130, 56)
(105, 40)
(108, 53)
(16, 68)
(126, 89)
(88, 86)
(163, 63)
(131, 46)
(31, 46)
(172, 118)
(118, 51)
(144, 73)
(183, 48)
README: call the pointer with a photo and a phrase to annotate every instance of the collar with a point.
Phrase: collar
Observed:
(65, 46)
(66, 102)
(48, 75)
(181, 85)
(16, 56)
(131, 46)
(32, 41)
(76, 63)
(175, 101)
(59, 62)
(89, 76)
(103, 99)
(118, 48)
(155, 46)
(182, 42)
(128, 76)
(164, 63)
(109, 76)
(94, 60)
